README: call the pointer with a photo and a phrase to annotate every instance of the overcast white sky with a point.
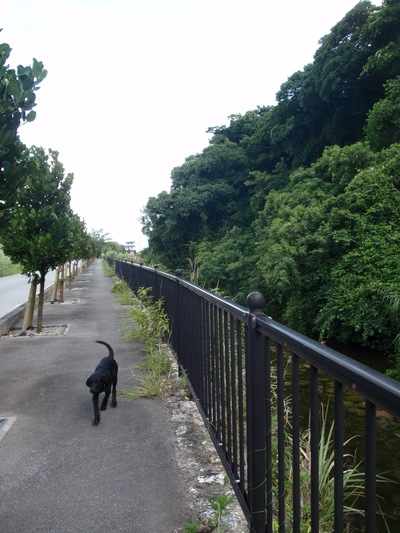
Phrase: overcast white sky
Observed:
(133, 85)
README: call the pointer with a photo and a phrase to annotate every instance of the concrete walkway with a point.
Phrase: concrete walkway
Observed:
(60, 474)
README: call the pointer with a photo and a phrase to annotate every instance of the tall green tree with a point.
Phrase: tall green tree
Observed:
(331, 239)
(291, 197)
(174, 221)
(228, 265)
(17, 100)
(366, 228)
(383, 125)
(99, 241)
(40, 234)
(83, 245)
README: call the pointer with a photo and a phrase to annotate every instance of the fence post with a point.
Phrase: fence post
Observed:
(256, 415)
(156, 295)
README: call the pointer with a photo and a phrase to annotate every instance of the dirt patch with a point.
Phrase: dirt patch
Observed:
(47, 331)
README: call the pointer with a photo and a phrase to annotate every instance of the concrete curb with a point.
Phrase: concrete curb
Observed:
(8, 320)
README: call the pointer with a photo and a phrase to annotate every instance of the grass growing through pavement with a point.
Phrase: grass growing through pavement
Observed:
(150, 325)
(219, 506)
(123, 292)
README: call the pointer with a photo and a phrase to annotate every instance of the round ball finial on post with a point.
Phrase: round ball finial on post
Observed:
(256, 303)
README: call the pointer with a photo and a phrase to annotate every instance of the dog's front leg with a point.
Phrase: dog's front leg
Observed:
(107, 392)
(96, 419)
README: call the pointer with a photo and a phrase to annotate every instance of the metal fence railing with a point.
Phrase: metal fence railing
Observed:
(259, 387)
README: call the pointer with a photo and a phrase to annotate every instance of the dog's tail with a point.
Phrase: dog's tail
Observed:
(110, 350)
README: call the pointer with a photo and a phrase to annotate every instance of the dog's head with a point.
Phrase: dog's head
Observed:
(96, 383)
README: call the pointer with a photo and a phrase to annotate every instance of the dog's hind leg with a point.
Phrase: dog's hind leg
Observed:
(96, 419)
(114, 393)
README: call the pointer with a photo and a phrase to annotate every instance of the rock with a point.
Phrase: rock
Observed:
(201, 469)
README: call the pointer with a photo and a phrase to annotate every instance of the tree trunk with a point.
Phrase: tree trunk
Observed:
(62, 284)
(55, 286)
(70, 274)
(30, 307)
(39, 326)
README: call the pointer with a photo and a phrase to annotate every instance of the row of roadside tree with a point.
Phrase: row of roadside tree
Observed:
(38, 229)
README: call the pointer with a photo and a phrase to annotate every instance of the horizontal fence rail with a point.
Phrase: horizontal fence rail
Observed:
(261, 388)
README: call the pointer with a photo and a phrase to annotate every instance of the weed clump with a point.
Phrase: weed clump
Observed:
(150, 325)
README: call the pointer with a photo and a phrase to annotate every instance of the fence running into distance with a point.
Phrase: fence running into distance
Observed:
(242, 366)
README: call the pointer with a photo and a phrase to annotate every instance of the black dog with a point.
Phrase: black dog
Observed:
(105, 375)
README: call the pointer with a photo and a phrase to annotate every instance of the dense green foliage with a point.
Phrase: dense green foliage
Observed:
(17, 100)
(43, 232)
(301, 200)
(39, 231)
(7, 267)
(39, 222)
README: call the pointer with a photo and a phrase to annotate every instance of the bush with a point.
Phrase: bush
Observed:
(7, 268)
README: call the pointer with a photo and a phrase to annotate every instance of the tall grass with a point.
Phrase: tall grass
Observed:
(123, 292)
(353, 475)
(150, 325)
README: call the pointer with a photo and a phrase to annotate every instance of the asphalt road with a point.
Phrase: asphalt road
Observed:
(14, 291)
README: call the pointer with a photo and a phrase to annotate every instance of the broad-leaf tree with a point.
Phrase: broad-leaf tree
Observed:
(17, 100)
(383, 126)
(331, 240)
(99, 241)
(292, 199)
(40, 234)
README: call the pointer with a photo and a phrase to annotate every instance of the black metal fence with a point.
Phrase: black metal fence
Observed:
(260, 388)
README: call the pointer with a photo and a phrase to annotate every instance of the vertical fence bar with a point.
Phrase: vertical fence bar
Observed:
(195, 353)
(208, 317)
(281, 438)
(241, 399)
(184, 331)
(234, 391)
(314, 424)
(218, 372)
(155, 284)
(222, 396)
(214, 374)
(269, 459)
(296, 444)
(176, 323)
(203, 351)
(370, 467)
(228, 389)
(338, 468)
(256, 399)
